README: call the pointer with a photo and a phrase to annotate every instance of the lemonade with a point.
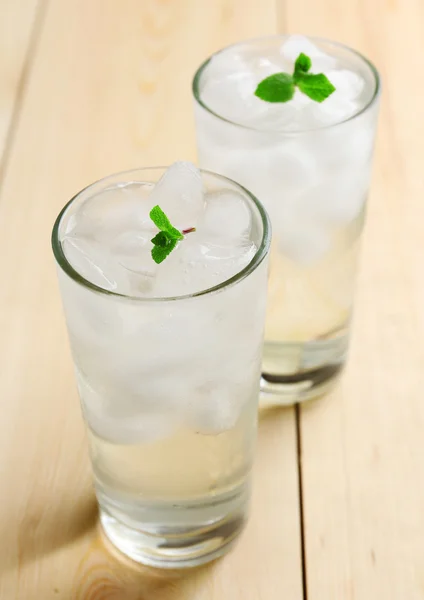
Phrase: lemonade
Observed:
(167, 355)
(309, 163)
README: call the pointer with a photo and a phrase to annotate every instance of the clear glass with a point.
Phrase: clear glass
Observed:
(314, 184)
(169, 390)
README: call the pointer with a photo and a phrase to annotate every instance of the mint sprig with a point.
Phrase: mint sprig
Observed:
(302, 65)
(280, 87)
(276, 88)
(165, 241)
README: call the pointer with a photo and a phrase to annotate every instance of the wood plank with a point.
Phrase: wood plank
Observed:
(109, 89)
(362, 446)
(17, 21)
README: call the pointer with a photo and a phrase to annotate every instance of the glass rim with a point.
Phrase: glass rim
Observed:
(68, 269)
(201, 69)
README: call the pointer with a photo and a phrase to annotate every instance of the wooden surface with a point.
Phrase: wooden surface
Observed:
(87, 88)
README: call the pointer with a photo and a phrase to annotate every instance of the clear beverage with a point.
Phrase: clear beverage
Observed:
(309, 163)
(167, 356)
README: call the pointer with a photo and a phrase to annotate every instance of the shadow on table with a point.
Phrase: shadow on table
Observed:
(105, 573)
(90, 566)
(101, 571)
(47, 527)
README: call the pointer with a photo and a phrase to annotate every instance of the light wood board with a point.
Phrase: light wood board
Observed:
(107, 88)
(18, 34)
(363, 449)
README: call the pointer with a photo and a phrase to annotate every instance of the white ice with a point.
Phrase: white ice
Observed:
(234, 98)
(179, 193)
(303, 241)
(137, 369)
(343, 102)
(114, 419)
(335, 200)
(218, 249)
(112, 211)
(109, 239)
(94, 263)
(232, 80)
(226, 218)
(132, 250)
(298, 43)
(197, 265)
(214, 410)
(230, 88)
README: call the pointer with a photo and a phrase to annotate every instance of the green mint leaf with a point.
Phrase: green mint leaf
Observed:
(159, 253)
(280, 87)
(317, 87)
(276, 88)
(161, 239)
(302, 65)
(162, 222)
(165, 241)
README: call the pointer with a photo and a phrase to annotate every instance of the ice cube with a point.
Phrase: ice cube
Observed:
(132, 250)
(298, 43)
(336, 199)
(335, 109)
(131, 242)
(214, 410)
(234, 98)
(221, 257)
(225, 63)
(140, 427)
(282, 116)
(133, 391)
(346, 148)
(226, 218)
(340, 105)
(197, 265)
(116, 209)
(179, 193)
(288, 162)
(303, 241)
(348, 84)
(94, 263)
(264, 67)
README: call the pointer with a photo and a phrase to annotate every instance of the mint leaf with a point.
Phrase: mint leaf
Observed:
(162, 222)
(302, 65)
(317, 87)
(165, 241)
(280, 87)
(161, 239)
(276, 88)
(159, 253)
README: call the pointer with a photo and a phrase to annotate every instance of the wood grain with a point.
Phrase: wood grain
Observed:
(108, 89)
(363, 486)
(18, 32)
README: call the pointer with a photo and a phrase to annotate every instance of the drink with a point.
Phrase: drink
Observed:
(309, 163)
(167, 356)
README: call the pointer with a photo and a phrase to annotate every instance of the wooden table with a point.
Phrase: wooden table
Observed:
(88, 87)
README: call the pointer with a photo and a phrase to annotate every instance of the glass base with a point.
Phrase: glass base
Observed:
(295, 372)
(187, 548)
(304, 386)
